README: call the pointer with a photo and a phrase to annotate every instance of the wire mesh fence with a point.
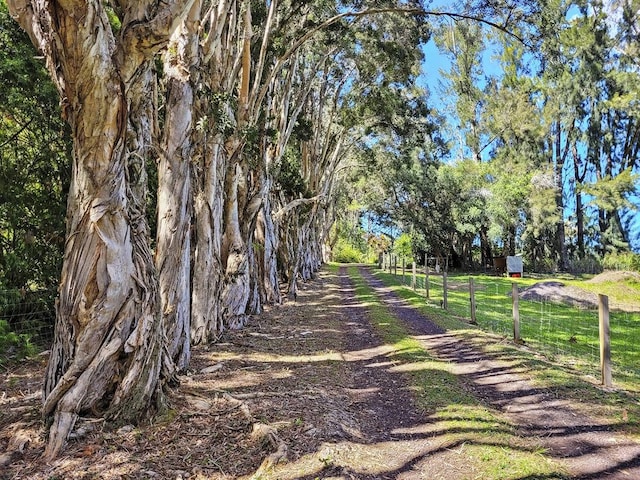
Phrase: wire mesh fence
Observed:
(26, 322)
(552, 325)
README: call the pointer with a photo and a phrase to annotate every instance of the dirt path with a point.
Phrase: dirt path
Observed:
(588, 448)
(308, 390)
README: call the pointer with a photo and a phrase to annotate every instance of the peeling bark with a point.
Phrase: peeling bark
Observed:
(206, 324)
(235, 255)
(173, 251)
(108, 334)
(266, 238)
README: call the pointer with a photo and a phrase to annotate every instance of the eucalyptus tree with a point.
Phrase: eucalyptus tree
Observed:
(367, 91)
(257, 81)
(219, 60)
(108, 342)
(418, 195)
(238, 62)
(318, 95)
(470, 212)
(287, 197)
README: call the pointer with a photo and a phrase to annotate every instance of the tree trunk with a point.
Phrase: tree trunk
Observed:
(206, 323)
(266, 236)
(254, 302)
(173, 250)
(106, 353)
(242, 205)
(511, 240)
(579, 213)
(108, 337)
(485, 247)
(235, 262)
(561, 245)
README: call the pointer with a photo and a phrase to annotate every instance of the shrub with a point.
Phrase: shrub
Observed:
(622, 261)
(344, 252)
(589, 264)
(14, 346)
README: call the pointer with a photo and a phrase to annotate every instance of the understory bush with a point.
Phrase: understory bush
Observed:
(344, 252)
(589, 264)
(14, 346)
(622, 261)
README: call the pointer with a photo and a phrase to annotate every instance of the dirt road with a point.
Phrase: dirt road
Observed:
(311, 390)
(587, 448)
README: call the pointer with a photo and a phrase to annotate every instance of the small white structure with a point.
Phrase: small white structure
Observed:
(514, 266)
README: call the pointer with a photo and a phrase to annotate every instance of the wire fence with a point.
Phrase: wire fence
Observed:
(559, 326)
(568, 333)
(26, 322)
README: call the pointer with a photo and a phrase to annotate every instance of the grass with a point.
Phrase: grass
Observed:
(623, 293)
(463, 422)
(562, 332)
(620, 407)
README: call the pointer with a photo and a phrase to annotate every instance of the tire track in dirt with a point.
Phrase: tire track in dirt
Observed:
(396, 432)
(591, 450)
(370, 427)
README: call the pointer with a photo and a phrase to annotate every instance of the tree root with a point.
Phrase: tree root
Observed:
(265, 434)
(269, 435)
(18, 443)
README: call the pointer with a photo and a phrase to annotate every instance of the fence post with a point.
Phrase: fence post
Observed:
(472, 299)
(426, 276)
(516, 312)
(403, 269)
(444, 290)
(413, 275)
(605, 340)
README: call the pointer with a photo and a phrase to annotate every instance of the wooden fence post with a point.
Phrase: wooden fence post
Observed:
(403, 269)
(413, 276)
(605, 340)
(426, 276)
(472, 300)
(516, 312)
(444, 290)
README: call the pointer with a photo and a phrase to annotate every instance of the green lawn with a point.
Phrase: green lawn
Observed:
(562, 332)
(620, 408)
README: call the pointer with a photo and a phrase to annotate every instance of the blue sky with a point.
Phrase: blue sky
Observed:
(431, 77)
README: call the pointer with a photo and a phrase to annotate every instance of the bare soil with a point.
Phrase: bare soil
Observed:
(615, 276)
(306, 391)
(558, 292)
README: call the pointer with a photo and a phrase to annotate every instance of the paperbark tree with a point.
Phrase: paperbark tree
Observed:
(173, 250)
(220, 56)
(288, 97)
(106, 355)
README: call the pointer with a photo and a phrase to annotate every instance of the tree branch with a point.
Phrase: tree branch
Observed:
(279, 215)
(15, 135)
(374, 11)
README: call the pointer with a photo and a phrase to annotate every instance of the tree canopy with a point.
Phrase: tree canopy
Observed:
(208, 153)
